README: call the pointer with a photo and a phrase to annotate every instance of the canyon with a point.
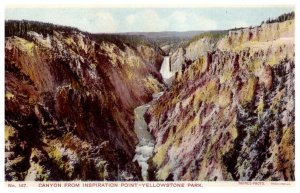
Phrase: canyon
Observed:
(144, 149)
(80, 106)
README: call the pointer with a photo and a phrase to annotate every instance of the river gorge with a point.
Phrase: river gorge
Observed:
(145, 147)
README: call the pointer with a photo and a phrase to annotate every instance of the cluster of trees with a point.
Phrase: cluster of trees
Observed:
(281, 18)
(20, 28)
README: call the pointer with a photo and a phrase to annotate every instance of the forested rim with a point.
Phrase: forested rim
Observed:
(21, 27)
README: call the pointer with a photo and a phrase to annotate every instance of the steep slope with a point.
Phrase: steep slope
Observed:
(69, 105)
(196, 47)
(229, 114)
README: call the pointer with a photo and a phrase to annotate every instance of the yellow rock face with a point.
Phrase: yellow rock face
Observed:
(228, 115)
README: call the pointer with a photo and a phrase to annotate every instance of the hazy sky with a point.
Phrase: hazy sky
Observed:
(152, 19)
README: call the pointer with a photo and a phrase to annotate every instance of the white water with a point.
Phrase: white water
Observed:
(145, 147)
(165, 69)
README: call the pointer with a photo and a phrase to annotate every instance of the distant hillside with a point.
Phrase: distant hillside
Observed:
(210, 34)
(157, 40)
(166, 34)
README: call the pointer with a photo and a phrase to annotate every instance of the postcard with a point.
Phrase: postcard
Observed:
(153, 97)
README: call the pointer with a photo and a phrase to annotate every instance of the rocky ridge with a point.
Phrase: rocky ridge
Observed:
(69, 104)
(229, 114)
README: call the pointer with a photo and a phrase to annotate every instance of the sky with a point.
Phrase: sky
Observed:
(108, 20)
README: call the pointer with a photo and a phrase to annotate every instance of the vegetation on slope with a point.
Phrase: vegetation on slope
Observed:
(22, 27)
(215, 35)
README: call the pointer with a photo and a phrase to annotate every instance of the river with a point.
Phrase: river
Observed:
(145, 147)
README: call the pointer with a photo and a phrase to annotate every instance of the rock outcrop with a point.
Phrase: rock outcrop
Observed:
(190, 51)
(229, 114)
(69, 104)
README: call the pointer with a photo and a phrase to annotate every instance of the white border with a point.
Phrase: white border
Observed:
(144, 3)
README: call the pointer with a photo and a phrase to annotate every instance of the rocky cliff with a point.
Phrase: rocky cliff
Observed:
(229, 114)
(69, 104)
(196, 47)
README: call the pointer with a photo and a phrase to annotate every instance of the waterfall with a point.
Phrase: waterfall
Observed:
(145, 147)
(165, 69)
